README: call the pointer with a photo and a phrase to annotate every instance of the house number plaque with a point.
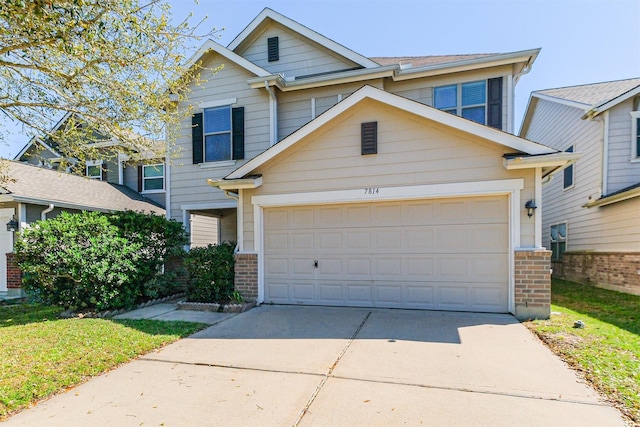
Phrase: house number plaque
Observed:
(371, 191)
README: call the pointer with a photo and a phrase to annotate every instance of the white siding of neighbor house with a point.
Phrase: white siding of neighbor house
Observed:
(188, 181)
(622, 171)
(609, 228)
(298, 56)
(411, 151)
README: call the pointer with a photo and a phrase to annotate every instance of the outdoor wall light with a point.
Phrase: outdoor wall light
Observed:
(12, 225)
(530, 206)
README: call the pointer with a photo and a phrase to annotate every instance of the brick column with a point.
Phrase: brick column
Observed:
(14, 275)
(246, 275)
(533, 284)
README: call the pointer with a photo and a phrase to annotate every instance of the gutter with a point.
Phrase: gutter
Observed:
(273, 113)
(235, 184)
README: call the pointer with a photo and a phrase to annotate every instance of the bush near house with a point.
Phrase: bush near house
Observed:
(92, 260)
(211, 273)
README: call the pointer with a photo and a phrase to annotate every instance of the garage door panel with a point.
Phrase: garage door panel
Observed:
(449, 254)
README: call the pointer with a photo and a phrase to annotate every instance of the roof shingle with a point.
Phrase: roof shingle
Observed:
(593, 94)
(32, 182)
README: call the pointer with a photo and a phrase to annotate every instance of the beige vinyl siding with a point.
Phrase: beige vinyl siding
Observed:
(35, 154)
(622, 172)
(130, 176)
(421, 90)
(411, 151)
(204, 230)
(299, 56)
(188, 181)
(295, 108)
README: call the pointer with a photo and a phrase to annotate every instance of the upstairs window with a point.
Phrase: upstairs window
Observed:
(479, 101)
(558, 240)
(635, 135)
(217, 134)
(464, 99)
(152, 178)
(94, 169)
(568, 173)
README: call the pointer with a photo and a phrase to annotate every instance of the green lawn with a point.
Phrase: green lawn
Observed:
(607, 350)
(41, 355)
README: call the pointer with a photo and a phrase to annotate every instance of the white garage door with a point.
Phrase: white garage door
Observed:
(443, 254)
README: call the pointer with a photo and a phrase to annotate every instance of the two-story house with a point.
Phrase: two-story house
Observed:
(591, 220)
(348, 180)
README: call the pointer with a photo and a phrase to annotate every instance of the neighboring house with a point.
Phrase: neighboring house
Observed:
(35, 193)
(345, 186)
(591, 219)
(146, 177)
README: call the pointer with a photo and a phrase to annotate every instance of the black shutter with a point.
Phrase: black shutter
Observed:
(494, 103)
(103, 168)
(140, 179)
(237, 132)
(369, 138)
(273, 49)
(197, 138)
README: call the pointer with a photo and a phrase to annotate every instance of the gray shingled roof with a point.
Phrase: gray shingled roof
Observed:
(32, 184)
(593, 94)
(421, 61)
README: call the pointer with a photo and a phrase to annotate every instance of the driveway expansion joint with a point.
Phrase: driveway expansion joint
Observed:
(329, 373)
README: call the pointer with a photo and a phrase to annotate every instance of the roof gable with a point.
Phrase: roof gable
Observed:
(368, 92)
(210, 45)
(255, 28)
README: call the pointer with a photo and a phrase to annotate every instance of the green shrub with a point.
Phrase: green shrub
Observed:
(99, 261)
(211, 273)
(78, 261)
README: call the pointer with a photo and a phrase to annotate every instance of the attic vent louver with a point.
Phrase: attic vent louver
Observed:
(369, 138)
(273, 49)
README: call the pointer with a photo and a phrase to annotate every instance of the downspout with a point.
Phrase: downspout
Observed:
(605, 155)
(512, 81)
(235, 196)
(273, 113)
(43, 214)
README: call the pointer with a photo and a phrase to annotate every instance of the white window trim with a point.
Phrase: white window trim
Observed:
(164, 180)
(220, 164)
(635, 156)
(93, 163)
(565, 240)
(573, 171)
(218, 103)
(204, 134)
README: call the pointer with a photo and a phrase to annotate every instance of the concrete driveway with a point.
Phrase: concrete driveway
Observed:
(284, 366)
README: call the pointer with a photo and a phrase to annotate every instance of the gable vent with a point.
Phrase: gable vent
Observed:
(369, 138)
(273, 49)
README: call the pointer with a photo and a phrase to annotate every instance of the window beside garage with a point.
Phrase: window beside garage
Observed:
(558, 240)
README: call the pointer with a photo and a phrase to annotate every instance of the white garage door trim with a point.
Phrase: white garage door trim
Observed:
(509, 187)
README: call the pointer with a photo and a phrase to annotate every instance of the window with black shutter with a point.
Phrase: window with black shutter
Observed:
(369, 138)
(494, 103)
(218, 134)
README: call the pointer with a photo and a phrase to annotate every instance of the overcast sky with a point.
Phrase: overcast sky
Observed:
(582, 41)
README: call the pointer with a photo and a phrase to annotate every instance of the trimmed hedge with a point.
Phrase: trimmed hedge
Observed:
(211, 273)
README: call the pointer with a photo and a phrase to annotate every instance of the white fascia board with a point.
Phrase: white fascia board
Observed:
(224, 204)
(575, 104)
(36, 140)
(210, 45)
(596, 110)
(56, 203)
(561, 159)
(326, 80)
(236, 184)
(304, 31)
(413, 107)
(526, 56)
(613, 199)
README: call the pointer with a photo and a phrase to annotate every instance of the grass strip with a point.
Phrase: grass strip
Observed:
(41, 355)
(607, 350)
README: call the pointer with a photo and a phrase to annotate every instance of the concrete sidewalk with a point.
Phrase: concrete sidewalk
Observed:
(169, 311)
(277, 365)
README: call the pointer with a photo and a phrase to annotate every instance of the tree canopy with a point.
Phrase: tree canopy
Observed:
(111, 67)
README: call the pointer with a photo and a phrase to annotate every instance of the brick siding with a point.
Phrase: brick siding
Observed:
(246, 275)
(618, 271)
(14, 275)
(533, 284)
